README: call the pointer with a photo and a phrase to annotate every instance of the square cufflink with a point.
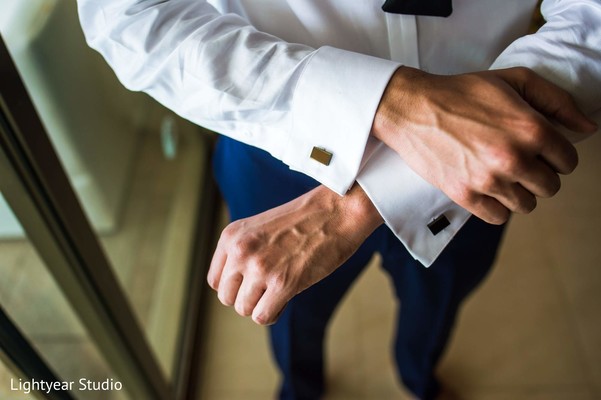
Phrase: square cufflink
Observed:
(438, 224)
(321, 155)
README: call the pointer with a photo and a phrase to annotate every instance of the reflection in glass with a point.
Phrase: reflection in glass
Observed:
(34, 302)
(7, 377)
(136, 168)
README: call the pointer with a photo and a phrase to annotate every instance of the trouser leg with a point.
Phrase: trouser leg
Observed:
(298, 336)
(251, 182)
(430, 298)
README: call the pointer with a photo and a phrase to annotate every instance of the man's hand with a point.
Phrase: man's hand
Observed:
(482, 138)
(263, 261)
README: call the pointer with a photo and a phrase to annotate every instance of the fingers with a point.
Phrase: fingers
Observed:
(487, 208)
(251, 298)
(217, 263)
(540, 179)
(229, 287)
(570, 116)
(558, 152)
(248, 296)
(496, 207)
(517, 199)
(270, 306)
(554, 102)
(243, 291)
(532, 171)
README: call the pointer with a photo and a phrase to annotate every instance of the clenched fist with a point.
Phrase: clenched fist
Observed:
(485, 139)
(263, 261)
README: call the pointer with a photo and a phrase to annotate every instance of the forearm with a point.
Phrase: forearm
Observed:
(566, 51)
(214, 69)
(471, 143)
(263, 261)
(221, 73)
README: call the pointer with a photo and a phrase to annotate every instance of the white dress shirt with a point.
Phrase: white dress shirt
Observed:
(291, 75)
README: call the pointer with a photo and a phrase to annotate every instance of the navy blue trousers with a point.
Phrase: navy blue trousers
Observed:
(251, 181)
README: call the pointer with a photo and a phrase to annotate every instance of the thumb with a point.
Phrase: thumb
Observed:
(556, 104)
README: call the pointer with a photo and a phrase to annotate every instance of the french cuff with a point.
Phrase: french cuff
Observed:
(422, 217)
(334, 104)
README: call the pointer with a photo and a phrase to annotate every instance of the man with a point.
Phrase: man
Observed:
(354, 108)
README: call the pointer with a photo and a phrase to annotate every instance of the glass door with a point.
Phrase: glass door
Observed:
(106, 213)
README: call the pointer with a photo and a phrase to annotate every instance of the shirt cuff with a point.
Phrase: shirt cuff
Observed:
(334, 104)
(409, 205)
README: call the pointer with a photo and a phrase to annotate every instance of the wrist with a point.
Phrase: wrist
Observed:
(395, 102)
(352, 216)
(359, 217)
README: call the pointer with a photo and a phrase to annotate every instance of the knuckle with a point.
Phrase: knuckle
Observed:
(229, 232)
(279, 282)
(536, 135)
(258, 265)
(246, 246)
(241, 248)
(487, 183)
(496, 156)
(531, 128)
(513, 166)
(462, 194)
(504, 161)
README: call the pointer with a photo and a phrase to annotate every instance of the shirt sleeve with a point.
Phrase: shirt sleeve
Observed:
(566, 51)
(219, 72)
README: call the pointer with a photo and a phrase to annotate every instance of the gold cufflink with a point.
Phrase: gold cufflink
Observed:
(321, 155)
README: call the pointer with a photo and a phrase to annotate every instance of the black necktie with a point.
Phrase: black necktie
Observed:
(436, 8)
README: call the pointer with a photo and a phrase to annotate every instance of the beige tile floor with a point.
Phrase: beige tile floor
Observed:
(532, 331)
